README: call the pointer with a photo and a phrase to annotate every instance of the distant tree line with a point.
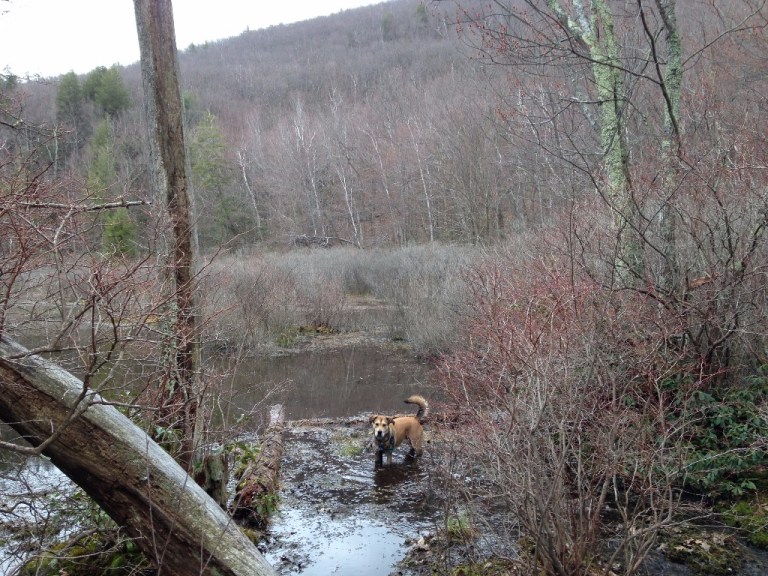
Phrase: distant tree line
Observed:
(372, 126)
(383, 126)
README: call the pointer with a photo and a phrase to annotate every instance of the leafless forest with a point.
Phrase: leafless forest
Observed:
(562, 204)
(373, 127)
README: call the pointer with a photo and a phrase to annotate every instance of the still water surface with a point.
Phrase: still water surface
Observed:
(337, 515)
(336, 383)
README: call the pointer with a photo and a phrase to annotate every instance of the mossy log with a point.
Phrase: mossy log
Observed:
(257, 487)
(174, 522)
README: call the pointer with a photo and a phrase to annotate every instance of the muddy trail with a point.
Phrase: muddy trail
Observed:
(338, 514)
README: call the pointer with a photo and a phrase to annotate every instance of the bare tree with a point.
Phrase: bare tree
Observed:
(590, 343)
(598, 86)
(165, 116)
(67, 296)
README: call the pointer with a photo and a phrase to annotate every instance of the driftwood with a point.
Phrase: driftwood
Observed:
(174, 522)
(258, 485)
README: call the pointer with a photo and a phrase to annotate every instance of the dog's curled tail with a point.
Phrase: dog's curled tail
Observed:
(421, 403)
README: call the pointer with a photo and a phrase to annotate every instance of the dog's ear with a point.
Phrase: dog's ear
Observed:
(390, 420)
(372, 418)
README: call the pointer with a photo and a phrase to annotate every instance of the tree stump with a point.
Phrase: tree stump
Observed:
(212, 474)
(256, 492)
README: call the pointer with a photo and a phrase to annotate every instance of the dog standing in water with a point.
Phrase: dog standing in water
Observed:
(389, 432)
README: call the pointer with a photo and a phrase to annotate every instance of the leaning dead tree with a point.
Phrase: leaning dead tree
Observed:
(136, 482)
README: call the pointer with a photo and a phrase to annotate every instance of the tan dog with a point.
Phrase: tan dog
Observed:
(389, 432)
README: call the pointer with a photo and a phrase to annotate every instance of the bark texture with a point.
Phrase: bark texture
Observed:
(168, 161)
(134, 480)
(261, 479)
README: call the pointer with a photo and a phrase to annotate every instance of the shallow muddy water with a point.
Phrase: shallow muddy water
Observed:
(338, 515)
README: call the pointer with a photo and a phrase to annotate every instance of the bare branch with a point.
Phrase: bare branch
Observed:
(79, 208)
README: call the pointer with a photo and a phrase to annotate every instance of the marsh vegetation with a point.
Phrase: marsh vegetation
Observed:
(561, 206)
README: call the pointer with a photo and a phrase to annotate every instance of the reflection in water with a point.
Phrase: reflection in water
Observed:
(27, 486)
(332, 384)
(339, 515)
(333, 507)
(388, 480)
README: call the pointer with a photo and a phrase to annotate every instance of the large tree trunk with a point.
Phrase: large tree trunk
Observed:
(671, 86)
(134, 480)
(165, 117)
(597, 31)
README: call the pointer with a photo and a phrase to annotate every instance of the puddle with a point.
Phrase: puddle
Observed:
(338, 515)
(20, 507)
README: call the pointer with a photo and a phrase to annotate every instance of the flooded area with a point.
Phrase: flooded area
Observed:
(338, 515)
(336, 383)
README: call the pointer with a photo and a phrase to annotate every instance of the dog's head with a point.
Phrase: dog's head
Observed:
(381, 427)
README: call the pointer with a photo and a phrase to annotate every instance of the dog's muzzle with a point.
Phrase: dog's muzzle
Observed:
(385, 442)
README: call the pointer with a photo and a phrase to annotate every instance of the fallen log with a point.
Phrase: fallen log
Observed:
(257, 487)
(142, 488)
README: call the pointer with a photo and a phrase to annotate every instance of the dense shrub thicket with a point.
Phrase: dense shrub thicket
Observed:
(407, 294)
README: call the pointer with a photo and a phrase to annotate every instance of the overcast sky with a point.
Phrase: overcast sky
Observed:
(52, 37)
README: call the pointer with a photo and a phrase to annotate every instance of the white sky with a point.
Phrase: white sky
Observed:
(52, 37)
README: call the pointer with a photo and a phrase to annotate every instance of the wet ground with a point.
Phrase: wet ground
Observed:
(338, 515)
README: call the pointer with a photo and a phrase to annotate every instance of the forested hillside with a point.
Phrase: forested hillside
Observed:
(605, 348)
(371, 127)
(384, 125)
